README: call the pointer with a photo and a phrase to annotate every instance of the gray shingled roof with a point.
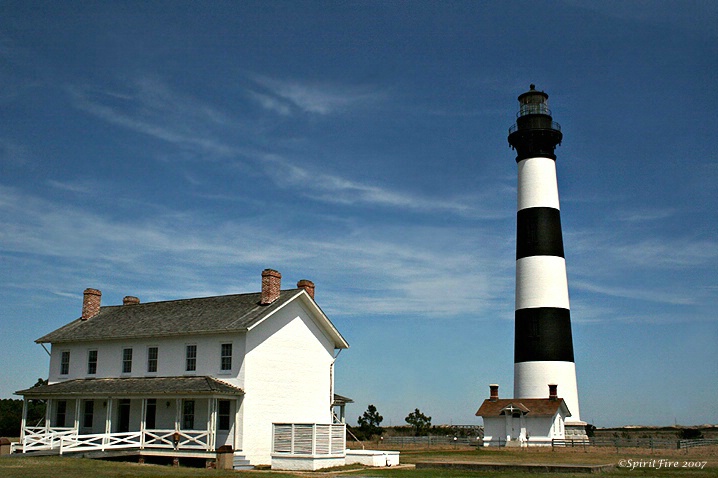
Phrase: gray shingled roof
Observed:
(133, 386)
(530, 406)
(227, 313)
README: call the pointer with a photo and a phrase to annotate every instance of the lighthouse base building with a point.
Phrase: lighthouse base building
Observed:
(523, 422)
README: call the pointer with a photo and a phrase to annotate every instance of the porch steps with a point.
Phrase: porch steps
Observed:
(241, 463)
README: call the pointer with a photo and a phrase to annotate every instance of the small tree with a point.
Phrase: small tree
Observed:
(369, 423)
(419, 422)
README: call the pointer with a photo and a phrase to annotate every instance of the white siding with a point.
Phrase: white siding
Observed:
(287, 378)
(171, 357)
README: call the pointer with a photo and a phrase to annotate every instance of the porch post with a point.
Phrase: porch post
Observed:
(211, 423)
(77, 415)
(143, 418)
(108, 423)
(23, 422)
(48, 414)
(178, 413)
(236, 444)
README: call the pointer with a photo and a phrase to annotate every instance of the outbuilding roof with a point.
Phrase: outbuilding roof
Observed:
(526, 406)
(207, 315)
(124, 387)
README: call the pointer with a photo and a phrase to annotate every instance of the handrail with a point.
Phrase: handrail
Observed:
(554, 126)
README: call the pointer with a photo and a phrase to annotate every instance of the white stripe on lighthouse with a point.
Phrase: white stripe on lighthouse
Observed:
(537, 183)
(531, 379)
(541, 282)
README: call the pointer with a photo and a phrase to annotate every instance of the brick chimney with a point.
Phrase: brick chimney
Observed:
(271, 284)
(306, 285)
(552, 391)
(494, 396)
(91, 303)
(130, 300)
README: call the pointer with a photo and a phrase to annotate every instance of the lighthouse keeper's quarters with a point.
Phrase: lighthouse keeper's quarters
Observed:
(190, 376)
(523, 421)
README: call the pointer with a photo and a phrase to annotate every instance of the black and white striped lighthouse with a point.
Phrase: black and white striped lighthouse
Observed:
(543, 345)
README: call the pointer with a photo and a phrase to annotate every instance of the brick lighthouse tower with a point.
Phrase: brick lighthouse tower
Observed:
(543, 344)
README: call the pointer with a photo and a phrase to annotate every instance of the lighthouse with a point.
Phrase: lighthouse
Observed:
(543, 344)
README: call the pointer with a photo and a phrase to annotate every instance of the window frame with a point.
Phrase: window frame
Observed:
(92, 364)
(225, 361)
(88, 412)
(65, 362)
(224, 418)
(151, 414)
(153, 360)
(188, 413)
(190, 360)
(61, 412)
(127, 361)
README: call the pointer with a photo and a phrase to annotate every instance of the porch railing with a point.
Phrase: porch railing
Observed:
(43, 438)
(68, 440)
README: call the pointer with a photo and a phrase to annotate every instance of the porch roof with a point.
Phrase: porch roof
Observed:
(340, 400)
(125, 387)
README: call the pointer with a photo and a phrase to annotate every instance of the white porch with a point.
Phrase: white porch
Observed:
(177, 414)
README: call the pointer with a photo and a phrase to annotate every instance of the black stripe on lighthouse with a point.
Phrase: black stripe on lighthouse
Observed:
(543, 334)
(538, 232)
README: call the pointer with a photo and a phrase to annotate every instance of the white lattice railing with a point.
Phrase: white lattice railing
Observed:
(187, 439)
(100, 441)
(68, 440)
(309, 439)
(43, 438)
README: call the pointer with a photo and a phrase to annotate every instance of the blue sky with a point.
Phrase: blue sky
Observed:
(175, 149)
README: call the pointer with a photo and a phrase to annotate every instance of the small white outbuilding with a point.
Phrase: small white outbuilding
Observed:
(523, 421)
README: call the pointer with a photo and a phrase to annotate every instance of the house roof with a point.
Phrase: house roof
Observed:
(119, 387)
(528, 406)
(207, 315)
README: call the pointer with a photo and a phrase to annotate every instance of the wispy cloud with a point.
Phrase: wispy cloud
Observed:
(324, 99)
(335, 189)
(652, 294)
(425, 272)
(152, 109)
(645, 215)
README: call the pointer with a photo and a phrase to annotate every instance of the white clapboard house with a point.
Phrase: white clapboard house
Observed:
(523, 421)
(190, 376)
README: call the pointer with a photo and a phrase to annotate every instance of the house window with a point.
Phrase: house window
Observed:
(188, 415)
(60, 413)
(126, 360)
(223, 414)
(152, 354)
(88, 412)
(226, 361)
(150, 413)
(191, 358)
(92, 362)
(65, 363)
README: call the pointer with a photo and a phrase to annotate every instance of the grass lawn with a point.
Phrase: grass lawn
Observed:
(67, 467)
